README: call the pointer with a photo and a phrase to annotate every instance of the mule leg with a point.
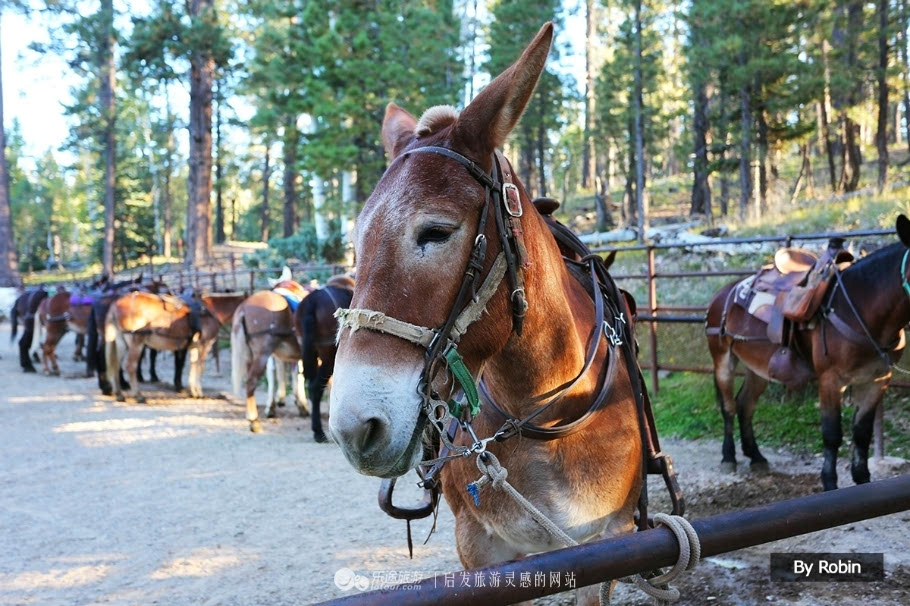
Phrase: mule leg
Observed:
(830, 395)
(139, 374)
(273, 370)
(80, 344)
(477, 547)
(133, 357)
(281, 382)
(179, 362)
(746, 399)
(300, 390)
(866, 399)
(317, 388)
(25, 344)
(256, 368)
(153, 371)
(724, 379)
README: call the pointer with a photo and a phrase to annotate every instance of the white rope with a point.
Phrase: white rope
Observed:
(492, 472)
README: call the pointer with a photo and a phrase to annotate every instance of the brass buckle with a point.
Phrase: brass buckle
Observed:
(511, 199)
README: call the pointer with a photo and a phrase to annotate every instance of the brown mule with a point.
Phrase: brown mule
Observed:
(162, 322)
(416, 235)
(853, 340)
(263, 327)
(51, 324)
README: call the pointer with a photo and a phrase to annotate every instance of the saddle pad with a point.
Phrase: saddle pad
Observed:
(292, 299)
(757, 304)
(76, 299)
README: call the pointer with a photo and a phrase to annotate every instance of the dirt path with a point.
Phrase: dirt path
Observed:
(176, 502)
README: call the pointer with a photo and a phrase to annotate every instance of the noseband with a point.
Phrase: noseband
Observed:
(440, 344)
(501, 196)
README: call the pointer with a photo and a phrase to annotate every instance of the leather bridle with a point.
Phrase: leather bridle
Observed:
(501, 199)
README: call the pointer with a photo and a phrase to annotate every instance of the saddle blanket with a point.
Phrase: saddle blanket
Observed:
(77, 299)
(292, 299)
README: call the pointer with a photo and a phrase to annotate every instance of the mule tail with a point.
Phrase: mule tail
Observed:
(14, 320)
(308, 352)
(240, 356)
(39, 331)
(111, 355)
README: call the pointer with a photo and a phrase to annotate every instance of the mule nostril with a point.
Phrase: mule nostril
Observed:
(372, 434)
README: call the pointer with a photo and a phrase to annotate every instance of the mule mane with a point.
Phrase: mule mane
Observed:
(435, 119)
(872, 268)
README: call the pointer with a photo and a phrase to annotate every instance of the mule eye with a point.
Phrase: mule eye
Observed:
(434, 233)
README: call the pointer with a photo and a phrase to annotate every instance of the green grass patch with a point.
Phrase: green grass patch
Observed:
(686, 407)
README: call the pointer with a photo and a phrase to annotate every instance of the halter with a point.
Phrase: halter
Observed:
(904, 282)
(501, 196)
(440, 344)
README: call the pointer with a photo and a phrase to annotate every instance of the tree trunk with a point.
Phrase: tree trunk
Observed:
(905, 77)
(762, 162)
(106, 98)
(9, 263)
(845, 39)
(602, 195)
(167, 204)
(640, 200)
(589, 154)
(745, 151)
(881, 135)
(701, 190)
(199, 185)
(266, 173)
(541, 158)
(291, 138)
(219, 168)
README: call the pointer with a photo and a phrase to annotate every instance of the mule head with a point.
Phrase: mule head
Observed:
(413, 240)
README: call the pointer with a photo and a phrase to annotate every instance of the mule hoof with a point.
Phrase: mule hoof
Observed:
(728, 466)
(140, 400)
(155, 379)
(280, 403)
(760, 467)
(271, 414)
(121, 397)
(861, 476)
(303, 412)
(255, 427)
(320, 438)
(29, 369)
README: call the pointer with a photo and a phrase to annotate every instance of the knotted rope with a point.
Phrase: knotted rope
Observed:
(492, 472)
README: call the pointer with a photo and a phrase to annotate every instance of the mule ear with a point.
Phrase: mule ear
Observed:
(490, 117)
(903, 229)
(397, 130)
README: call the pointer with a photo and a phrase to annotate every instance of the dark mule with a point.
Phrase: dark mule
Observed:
(24, 310)
(318, 330)
(853, 340)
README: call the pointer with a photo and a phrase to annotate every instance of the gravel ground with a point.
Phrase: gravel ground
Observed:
(176, 502)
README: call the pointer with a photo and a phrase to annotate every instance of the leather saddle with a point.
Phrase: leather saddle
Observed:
(786, 296)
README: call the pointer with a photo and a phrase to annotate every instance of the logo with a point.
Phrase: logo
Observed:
(346, 579)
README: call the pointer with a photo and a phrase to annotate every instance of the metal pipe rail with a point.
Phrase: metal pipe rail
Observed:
(639, 552)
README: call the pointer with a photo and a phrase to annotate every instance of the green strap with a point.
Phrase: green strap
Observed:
(904, 273)
(466, 381)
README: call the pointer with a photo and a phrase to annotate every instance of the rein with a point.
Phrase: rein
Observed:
(866, 336)
(501, 197)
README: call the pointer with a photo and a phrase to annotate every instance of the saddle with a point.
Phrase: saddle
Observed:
(786, 296)
(293, 292)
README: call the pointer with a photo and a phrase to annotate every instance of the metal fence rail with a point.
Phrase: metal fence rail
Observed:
(640, 552)
(655, 313)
